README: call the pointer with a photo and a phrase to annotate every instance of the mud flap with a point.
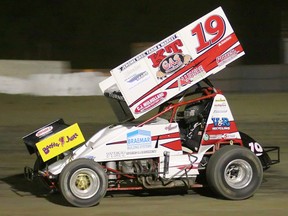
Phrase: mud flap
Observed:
(268, 155)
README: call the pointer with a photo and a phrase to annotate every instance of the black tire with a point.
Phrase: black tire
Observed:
(83, 182)
(234, 172)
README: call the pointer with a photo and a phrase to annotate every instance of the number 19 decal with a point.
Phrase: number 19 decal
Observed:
(213, 26)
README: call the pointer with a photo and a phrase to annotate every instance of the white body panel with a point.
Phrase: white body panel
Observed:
(220, 124)
(128, 142)
(153, 140)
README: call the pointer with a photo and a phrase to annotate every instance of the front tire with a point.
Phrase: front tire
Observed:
(234, 172)
(83, 182)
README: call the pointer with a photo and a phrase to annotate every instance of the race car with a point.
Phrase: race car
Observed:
(175, 129)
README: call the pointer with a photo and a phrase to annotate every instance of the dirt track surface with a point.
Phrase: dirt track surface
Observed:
(263, 116)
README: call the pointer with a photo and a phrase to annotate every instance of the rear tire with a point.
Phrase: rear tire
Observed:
(83, 182)
(234, 172)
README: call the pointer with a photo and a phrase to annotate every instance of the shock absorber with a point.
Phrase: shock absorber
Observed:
(166, 162)
(111, 176)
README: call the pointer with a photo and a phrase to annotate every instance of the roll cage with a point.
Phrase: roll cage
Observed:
(175, 104)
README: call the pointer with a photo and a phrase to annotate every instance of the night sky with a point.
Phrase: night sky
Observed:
(98, 33)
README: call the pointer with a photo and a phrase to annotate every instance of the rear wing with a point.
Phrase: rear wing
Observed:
(169, 67)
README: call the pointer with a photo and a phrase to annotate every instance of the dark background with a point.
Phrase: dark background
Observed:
(99, 33)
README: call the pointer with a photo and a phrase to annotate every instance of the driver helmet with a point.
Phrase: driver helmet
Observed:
(192, 112)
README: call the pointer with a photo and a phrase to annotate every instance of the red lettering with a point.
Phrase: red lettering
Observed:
(158, 56)
(173, 47)
(214, 27)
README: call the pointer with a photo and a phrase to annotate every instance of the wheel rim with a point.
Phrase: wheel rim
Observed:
(84, 183)
(238, 174)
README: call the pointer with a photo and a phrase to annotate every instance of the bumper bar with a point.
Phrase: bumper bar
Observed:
(274, 153)
(29, 173)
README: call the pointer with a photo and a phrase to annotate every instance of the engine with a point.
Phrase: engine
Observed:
(142, 173)
(132, 167)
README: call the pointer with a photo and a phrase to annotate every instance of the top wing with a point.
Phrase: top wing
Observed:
(181, 60)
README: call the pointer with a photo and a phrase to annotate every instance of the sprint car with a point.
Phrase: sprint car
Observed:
(175, 129)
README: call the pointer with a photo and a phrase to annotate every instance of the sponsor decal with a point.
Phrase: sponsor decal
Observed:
(172, 64)
(137, 77)
(220, 111)
(215, 137)
(139, 139)
(123, 154)
(229, 136)
(44, 131)
(155, 53)
(221, 123)
(150, 102)
(206, 137)
(90, 157)
(226, 57)
(60, 142)
(173, 47)
(220, 100)
(170, 127)
(225, 40)
(141, 152)
(47, 148)
(222, 136)
(116, 154)
(188, 77)
(220, 105)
